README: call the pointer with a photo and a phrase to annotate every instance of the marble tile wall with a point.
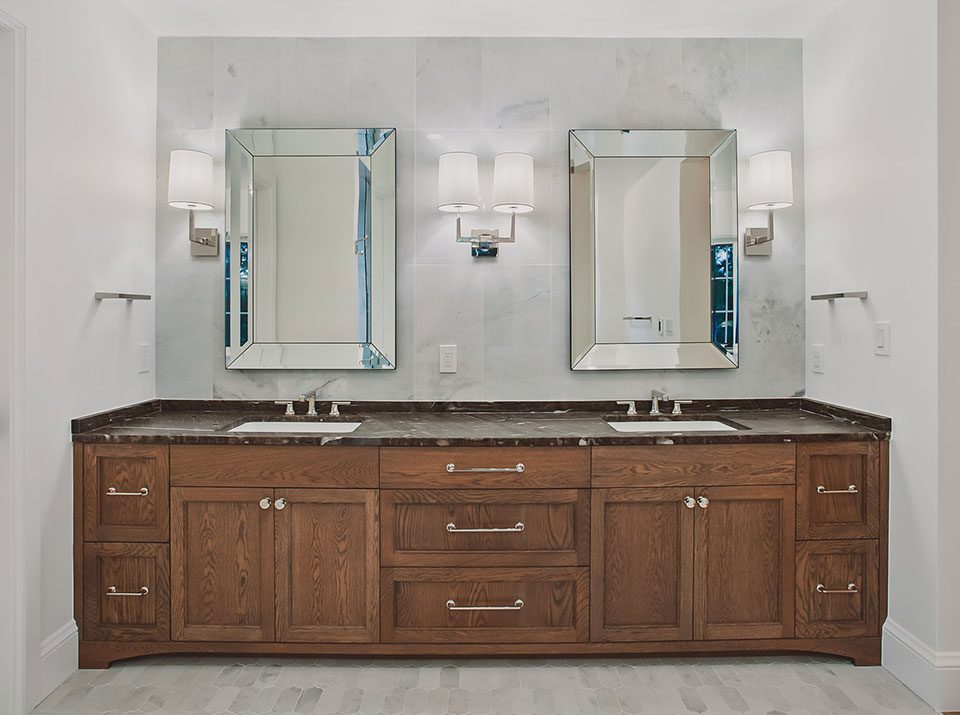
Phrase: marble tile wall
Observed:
(510, 316)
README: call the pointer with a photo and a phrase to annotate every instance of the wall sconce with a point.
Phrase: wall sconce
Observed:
(770, 188)
(459, 192)
(191, 187)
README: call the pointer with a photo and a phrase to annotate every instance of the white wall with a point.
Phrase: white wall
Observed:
(90, 190)
(870, 77)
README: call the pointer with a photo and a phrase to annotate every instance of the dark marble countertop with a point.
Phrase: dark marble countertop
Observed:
(478, 424)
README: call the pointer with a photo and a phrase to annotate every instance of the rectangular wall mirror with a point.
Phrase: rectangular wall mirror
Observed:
(653, 249)
(310, 249)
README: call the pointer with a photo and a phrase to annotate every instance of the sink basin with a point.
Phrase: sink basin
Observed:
(298, 427)
(672, 426)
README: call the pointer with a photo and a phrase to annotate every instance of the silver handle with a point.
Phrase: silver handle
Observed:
(452, 606)
(289, 405)
(452, 469)
(265, 503)
(852, 489)
(280, 504)
(851, 588)
(112, 492)
(112, 591)
(689, 502)
(453, 529)
(703, 502)
(638, 317)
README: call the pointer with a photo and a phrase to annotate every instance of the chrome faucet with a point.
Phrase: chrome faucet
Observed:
(311, 399)
(655, 397)
(335, 407)
(631, 406)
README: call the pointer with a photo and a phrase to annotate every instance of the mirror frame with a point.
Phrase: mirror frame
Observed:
(378, 352)
(717, 146)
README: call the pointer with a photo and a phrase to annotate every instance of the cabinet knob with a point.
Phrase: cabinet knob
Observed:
(265, 503)
(689, 502)
(703, 502)
(279, 504)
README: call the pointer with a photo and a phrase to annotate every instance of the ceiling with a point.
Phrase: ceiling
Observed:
(492, 18)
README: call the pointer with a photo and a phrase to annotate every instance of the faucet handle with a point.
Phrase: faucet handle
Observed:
(676, 406)
(289, 403)
(335, 406)
(631, 406)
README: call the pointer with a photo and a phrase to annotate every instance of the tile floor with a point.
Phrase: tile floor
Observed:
(770, 685)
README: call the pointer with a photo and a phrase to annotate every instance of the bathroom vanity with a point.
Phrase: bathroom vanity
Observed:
(494, 529)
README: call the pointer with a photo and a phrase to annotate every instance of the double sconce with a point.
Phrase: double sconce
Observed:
(191, 188)
(459, 192)
(770, 188)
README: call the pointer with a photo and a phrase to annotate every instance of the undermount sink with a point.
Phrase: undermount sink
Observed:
(298, 427)
(672, 426)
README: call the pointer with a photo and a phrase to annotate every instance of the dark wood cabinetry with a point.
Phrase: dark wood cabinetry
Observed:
(838, 491)
(125, 492)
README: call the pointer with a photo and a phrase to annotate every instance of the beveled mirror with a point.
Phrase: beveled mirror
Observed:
(310, 249)
(653, 249)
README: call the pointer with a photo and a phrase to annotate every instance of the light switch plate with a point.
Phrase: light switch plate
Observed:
(448, 358)
(818, 359)
(143, 357)
(881, 338)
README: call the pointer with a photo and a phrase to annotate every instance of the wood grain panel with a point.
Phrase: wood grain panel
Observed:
(126, 468)
(327, 568)
(543, 467)
(555, 605)
(222, 564)
(556, 527)
(641, 565)
(744, 563)
(835, 564)
(694, 465)
(273, 466)
(78, 606)
(835, 467)
(127, 568)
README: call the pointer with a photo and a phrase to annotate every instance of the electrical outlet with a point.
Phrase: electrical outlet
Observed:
(448, 358)
(881, 338)
(668, 327)
(818, 359)
(143, 357)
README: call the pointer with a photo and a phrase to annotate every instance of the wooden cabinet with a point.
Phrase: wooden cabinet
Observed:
(838, 490)
(125, 495)
(837, 589)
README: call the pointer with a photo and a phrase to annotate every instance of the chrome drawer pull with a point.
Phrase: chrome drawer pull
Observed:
(851, 588)
(112, 492)
(112, 591)
(452, 469)
(852, 489)
(452, 528)
(452, 606)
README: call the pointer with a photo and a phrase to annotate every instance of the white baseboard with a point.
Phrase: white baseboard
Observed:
(934, 676)
(58, 659)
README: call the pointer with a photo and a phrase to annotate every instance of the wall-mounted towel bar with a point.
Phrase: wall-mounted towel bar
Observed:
(862, 294)
(120, 296)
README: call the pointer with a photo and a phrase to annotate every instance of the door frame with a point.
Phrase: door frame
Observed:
(12, 543)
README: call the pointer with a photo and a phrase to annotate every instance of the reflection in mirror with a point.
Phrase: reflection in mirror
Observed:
(653, 249)
(311, 249)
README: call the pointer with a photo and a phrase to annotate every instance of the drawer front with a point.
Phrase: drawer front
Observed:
(521, 605)
(126, 495)
(485, 467)
(694, 465)
(837, 589)
(838, 491)
(543, 527)
(273, 466)
(126, 592)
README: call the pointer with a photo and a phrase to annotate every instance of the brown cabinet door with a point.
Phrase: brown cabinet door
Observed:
(837, 589)
(327, 565)
(125, 492)
(222, 558)
(838, 490)
(642, 564)
(126, 592)
(744, 563)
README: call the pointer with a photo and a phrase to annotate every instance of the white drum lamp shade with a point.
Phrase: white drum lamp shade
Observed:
(459, 182)
(513, 183)
(771, 181)
(191, 180)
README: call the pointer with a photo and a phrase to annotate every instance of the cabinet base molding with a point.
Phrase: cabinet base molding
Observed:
(862, 651)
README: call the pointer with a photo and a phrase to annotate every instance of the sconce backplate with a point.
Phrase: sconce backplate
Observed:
(205, 242)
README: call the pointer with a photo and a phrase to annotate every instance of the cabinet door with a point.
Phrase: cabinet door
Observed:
(327, 565)
(744, 563)
(125, 492)
(838, 490)
(221, 553)
(642, 565)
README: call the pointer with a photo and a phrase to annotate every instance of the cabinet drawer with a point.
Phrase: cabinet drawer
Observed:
(521, 605)
(272, 466)
(837, 589)
(542, 527)
(126, 592)
(126, 493)
(838, 490)
(485, 467)
(694, 465)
